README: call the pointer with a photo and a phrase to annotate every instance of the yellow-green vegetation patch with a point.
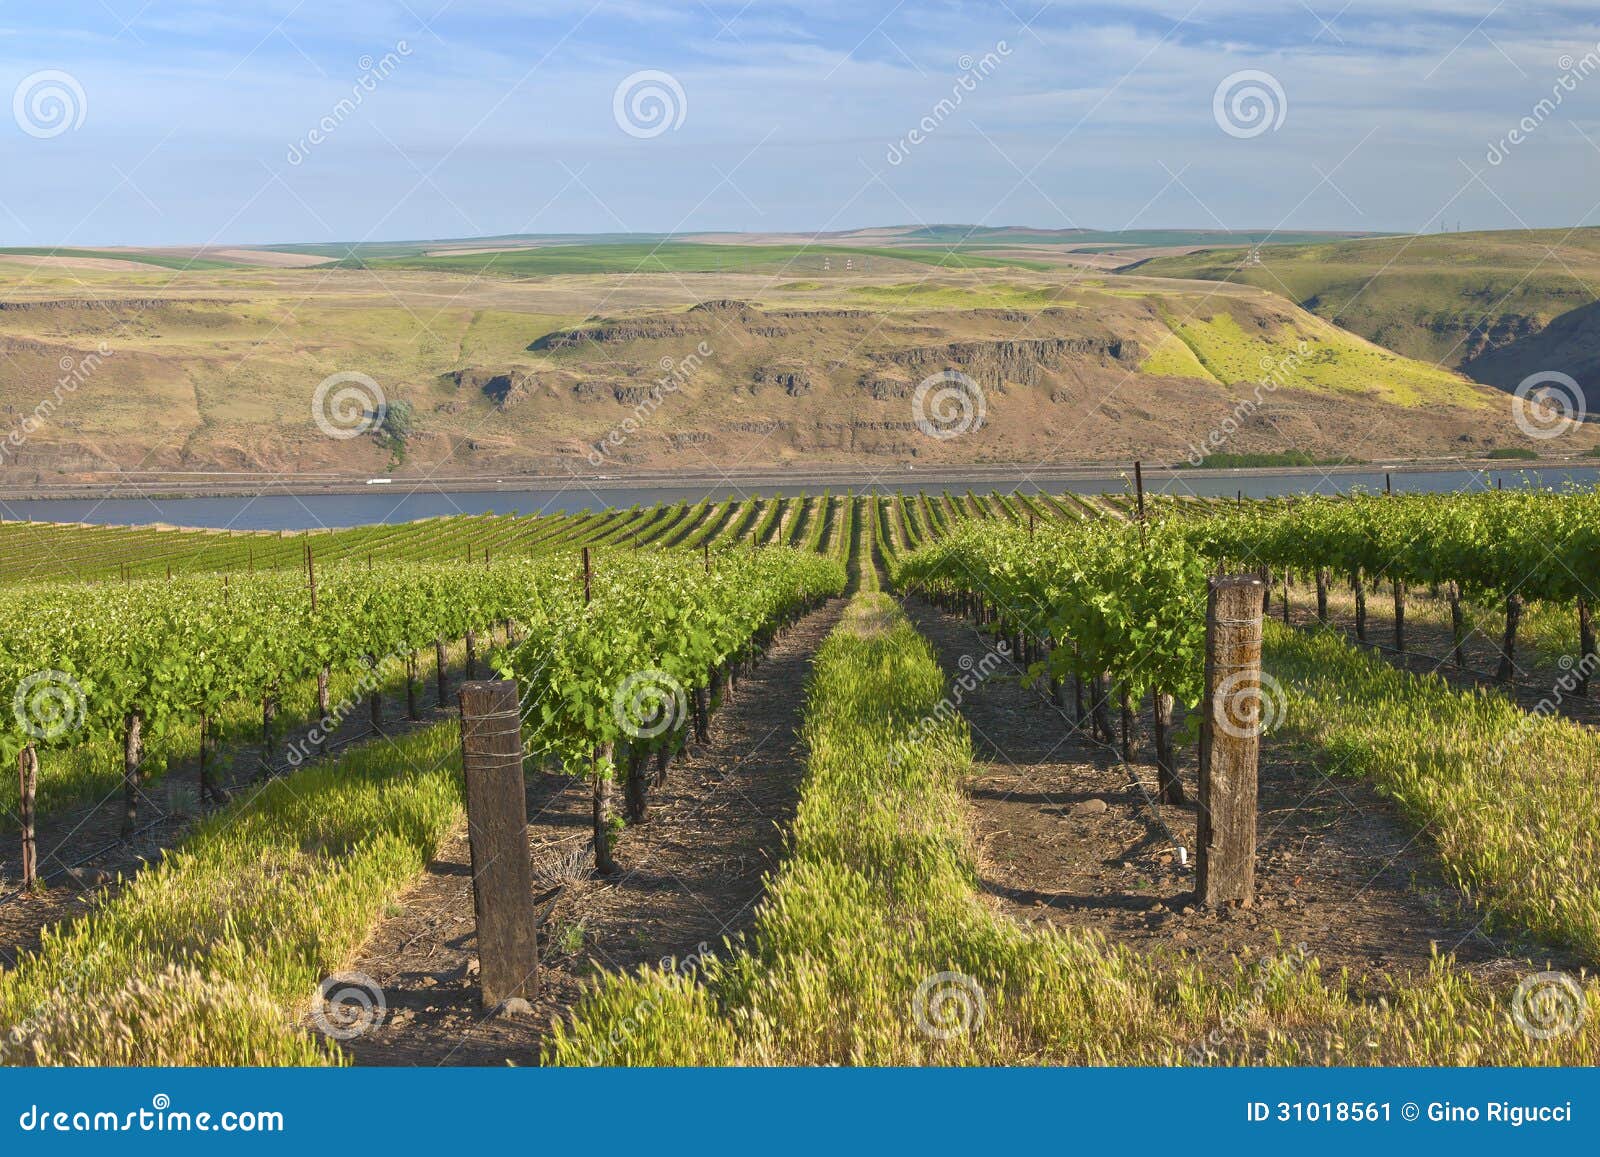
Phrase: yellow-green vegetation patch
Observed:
(1319, 357)
(211, 956)
(1173, 358)
(927, 295)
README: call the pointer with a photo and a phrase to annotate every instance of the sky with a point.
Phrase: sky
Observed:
(147, 122)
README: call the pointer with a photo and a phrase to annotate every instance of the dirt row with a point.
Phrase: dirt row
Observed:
(689, 880)
(1066, 837)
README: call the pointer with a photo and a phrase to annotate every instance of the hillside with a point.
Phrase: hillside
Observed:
(1479, 302)
(215, 370)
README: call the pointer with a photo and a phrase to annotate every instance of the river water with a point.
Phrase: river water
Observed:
(398, 502)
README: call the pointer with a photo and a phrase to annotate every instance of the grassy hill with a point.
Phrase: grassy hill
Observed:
(1451, 299)
(216, 369)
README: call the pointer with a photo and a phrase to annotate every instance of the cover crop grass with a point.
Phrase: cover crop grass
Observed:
(875, 946)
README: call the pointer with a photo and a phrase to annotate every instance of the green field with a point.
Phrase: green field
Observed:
(143, 257)
(680, 257)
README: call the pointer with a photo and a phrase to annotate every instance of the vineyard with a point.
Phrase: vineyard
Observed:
(835, 779)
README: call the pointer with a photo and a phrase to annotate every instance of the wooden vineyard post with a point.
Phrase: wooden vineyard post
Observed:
(497, 831)
(1230, 743)
(205, 757)
(412, 711)
(28, 786)
(1138, 486)
(588, 578)
(1507, 671)
(1586, 646)
(604, 865)
(438, 668)
(375, 696)
(1170, 788)
(1399, 614)
(1458, 626)
(132, 759)
(1357, 585)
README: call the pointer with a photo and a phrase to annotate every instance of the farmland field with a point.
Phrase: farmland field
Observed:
(971, 840)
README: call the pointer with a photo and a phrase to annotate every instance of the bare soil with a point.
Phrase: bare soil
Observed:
(1338, 871)
(688, 880)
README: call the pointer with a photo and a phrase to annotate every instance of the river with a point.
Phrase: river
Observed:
(402, 502)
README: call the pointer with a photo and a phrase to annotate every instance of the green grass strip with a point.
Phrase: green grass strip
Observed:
(1507, 796)
(211, 956)
(875, 946)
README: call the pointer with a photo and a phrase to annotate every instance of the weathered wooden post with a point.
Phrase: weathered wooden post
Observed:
(1507, 671)
(438, 669)
(1586, 646)
(1399, 614)
(28, 786)
(1230, 742)
(132, 774)
(497, 831)
(1358, 585)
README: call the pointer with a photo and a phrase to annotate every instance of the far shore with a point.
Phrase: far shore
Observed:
(155, 485)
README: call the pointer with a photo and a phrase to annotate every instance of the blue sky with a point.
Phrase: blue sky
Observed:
(190, 122)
